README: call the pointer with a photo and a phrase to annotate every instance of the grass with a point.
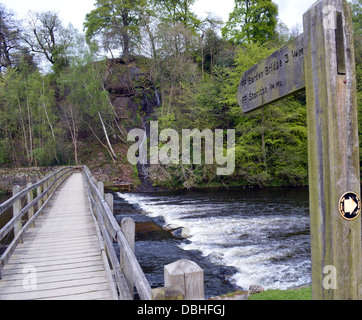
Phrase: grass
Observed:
(298, 294)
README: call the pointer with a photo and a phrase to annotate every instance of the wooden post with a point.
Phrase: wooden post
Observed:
(16, 209)
(109, 199)
(100, 186)
(45, 187)
(39, 191)
(128, 228)
(334, 166)
(30, 198)
(187, 276)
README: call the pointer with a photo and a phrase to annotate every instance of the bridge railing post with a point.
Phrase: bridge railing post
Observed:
(39, 191)
(16, 209)
(30, 198)
(109, 199)
(185, 275)
(129, 230)
(100, 186)
(42, 197)
(127, 271)
(45, 187)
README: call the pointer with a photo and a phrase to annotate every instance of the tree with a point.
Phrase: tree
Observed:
(271, 144)
(9, 39)
(177, 11)
(251, 21)
(86, 104)
(119, 19)
(49, 37)
(357, 26)
(28, 124)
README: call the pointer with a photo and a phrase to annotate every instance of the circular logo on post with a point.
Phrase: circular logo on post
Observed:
(350, 206)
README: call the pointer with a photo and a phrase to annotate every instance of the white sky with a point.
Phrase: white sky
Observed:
(74, 11)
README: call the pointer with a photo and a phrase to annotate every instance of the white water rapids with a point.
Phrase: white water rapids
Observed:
(264, 234)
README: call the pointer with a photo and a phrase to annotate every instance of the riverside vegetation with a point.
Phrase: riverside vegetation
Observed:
(174, 67)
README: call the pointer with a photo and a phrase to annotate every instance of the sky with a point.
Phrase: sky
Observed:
(74, 11)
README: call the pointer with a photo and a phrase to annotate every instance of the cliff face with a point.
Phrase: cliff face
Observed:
(135, 99)
(132, 92)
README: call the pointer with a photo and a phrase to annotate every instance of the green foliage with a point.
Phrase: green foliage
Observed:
(357, 24)
(251, 21)
(114, 18)
(57, 118)
(28, 125)
(271, 146)
(177, 11)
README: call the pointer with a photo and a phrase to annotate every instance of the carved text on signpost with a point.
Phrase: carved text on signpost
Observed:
(276, 77)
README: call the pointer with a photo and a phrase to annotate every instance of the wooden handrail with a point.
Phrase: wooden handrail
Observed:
(9, 203)
(41, 201)
(111, 231)
(4, 231)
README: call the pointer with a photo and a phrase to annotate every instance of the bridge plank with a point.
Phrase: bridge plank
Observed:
(62, 251)
(62, 292)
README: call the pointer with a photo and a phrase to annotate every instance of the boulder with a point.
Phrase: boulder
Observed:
(256, 289)
(181, 232)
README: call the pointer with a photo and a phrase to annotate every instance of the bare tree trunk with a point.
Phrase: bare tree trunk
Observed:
(24, 133)
(170, 100)
(125, 34)
(46, 114)
(100, 141)
(14, 153)
(30, 130)
(73, 129)
(106, 135)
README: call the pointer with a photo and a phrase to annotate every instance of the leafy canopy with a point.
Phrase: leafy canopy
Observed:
(251, 21)
(116, 18)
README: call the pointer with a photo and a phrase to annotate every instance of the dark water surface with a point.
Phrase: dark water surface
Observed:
(239, 237)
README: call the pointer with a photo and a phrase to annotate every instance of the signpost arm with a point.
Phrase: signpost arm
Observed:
(334, 167)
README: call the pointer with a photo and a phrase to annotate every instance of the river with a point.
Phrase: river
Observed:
(240, 237)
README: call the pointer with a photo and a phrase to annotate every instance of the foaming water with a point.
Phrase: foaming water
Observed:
(264, 234)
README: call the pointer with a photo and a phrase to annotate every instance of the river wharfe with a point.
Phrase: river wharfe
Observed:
(241, 237)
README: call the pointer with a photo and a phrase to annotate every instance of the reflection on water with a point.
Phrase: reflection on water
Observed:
(261, 234)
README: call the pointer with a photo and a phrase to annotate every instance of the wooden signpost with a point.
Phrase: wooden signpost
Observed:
(274, 78)
(322, 62)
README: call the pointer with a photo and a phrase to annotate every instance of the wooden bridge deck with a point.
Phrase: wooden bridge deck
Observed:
(61, 257)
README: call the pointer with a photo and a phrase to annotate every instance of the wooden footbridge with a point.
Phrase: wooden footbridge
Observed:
(64, 243)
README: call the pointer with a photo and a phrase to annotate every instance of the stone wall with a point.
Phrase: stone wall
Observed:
(22, 176)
